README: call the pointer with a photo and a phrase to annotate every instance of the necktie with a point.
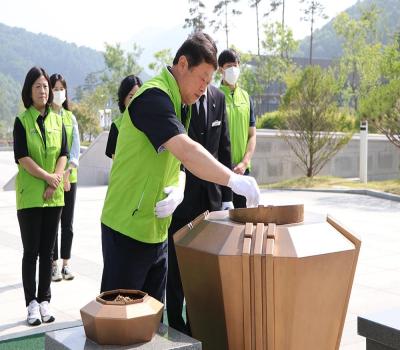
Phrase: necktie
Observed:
(202, 115)
(184, 110)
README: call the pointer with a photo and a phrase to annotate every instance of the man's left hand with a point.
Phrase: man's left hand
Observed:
(168, 205)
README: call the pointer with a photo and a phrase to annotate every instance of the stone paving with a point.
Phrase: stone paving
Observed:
(376, 287)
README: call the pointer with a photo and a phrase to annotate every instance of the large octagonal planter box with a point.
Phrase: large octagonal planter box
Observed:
(262, 279)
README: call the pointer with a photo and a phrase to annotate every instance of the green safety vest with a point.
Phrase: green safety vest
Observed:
(238, 111)
(30, 189)
(139, 174)
(69, 126)
(117, 121)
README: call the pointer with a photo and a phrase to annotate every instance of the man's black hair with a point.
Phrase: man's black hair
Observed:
(198, 48)
(228, 56)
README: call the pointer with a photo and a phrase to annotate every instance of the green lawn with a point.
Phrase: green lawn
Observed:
(34, 342)
(330, 182)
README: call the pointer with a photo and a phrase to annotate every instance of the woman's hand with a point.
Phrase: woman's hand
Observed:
(240, 168)
(67, 185)
(48, 193)
(54, 180)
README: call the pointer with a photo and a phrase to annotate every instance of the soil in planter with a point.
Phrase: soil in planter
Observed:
(122, 298)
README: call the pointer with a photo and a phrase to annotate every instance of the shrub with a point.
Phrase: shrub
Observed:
(271, 120)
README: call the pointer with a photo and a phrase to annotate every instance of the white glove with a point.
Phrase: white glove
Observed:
(245, 186)
(226, 205)
(167, 206)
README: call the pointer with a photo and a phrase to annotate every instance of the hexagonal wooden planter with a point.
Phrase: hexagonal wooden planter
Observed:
(110, 322)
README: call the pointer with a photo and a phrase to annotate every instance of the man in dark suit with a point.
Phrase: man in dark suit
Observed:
(208, 126)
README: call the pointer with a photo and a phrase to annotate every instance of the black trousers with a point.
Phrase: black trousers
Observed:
(175, 295)
(67, 219)
(131, 264)
(238, 200)
(38, 228)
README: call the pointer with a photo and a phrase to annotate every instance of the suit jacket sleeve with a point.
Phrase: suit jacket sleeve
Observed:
(224, 150)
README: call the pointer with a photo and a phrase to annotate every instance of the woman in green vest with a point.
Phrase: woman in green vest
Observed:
(60, 106)
(127, 89)
(40, 150)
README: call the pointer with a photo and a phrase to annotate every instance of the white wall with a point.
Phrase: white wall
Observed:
(94, 165)
(274, 161)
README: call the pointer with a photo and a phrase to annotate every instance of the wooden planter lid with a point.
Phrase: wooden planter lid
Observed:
(279, 214)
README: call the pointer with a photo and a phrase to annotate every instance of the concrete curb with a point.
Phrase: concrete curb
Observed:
(372, 193)
(42, 329)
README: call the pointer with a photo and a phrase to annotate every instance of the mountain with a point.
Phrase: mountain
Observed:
(10, 97)
(326, 44)
(156, 39)
(21, 50)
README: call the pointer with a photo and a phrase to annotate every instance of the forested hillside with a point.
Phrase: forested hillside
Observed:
(20, 50)
(327, 45)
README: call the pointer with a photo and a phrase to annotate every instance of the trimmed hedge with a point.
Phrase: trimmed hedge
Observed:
(271, 120)
(276, 120)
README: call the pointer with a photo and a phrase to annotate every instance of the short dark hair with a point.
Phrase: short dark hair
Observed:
(34, 74)
(228, 56)
(127, 84)
(53, 80)
(198, 48)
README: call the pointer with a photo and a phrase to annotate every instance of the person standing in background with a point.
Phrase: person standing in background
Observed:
(241, 119)
(209, 127)
(70, 178)
(127, 89)
(40, 150)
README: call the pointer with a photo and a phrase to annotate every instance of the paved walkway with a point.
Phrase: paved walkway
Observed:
(376, 287)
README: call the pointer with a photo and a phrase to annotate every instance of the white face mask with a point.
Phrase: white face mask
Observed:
(59, 97)
(231, 75)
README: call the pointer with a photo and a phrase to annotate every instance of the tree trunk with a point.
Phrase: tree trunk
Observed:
(226, 24)
(311, 36)
(258, 31)
(283, 26)
(354, 86)
(310, 169)
(283, 53)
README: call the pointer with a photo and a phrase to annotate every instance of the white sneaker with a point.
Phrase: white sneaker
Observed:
(66, 273)
(55, 273)
(33, 318)
(45, 312)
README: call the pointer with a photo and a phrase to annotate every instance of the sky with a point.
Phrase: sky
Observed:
(91, 23)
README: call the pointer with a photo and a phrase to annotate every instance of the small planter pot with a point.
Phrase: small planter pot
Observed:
(122, 317)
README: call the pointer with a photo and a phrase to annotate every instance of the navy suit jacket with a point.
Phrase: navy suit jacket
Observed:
(216, 140)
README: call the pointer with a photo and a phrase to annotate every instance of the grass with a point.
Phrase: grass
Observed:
(330, 182)
(36, 342)
(26, 343)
